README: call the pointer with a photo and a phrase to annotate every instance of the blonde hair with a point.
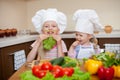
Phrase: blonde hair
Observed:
(94, 41)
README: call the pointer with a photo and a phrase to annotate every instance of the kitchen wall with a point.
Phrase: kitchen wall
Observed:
(13, 14)
(18, 13)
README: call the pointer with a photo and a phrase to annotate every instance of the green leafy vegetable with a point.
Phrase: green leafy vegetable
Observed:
(48, 76)
(27, 75)
(107, 59)
(70, 64)
(80, 75)
(49, 43)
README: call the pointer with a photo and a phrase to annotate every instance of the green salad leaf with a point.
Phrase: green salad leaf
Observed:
(49, 43)
(27, 75)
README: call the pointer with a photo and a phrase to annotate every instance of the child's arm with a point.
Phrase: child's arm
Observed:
(32, 54)
(60, 50)
(72, 49)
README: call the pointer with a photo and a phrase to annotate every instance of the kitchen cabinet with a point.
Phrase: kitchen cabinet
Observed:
(102, 41)
(68, 42)
(7, 60)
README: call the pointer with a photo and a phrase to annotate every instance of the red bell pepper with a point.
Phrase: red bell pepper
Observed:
(105, 73)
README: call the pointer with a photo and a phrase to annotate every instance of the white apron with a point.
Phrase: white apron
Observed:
(85, 52)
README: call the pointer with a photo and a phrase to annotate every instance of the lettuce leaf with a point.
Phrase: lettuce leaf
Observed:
(27, 75)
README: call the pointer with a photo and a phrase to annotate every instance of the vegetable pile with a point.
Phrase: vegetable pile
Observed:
(65, 62)
(47, 71)
(49, 43)
(105, 65)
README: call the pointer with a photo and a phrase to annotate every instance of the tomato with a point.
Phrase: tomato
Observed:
(36, 69)
(46, 66)
(71, 70)
(57, 71)
(56, 74)
(68, 71)
(41, 73)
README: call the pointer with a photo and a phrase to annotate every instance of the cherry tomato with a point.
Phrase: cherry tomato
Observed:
(57, 71)
(41, 73)
(68, 71)
(46, 66)
(36, 69)
(56, 74)
(71, 70)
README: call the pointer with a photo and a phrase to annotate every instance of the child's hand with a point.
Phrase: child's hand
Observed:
(43, 36)
(57, 37)
(75, 43)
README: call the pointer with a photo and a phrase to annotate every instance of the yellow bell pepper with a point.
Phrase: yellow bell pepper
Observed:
(92, 66)
(116, 71)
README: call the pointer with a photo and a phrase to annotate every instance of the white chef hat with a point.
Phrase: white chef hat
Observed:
(50, 14)
(87, 21)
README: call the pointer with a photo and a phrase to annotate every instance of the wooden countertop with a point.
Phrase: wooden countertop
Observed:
(16, 75)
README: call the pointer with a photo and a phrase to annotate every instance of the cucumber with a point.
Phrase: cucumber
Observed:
(57, 61)
(70, 64)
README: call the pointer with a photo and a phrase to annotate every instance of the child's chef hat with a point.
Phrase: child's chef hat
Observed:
(87, 21)
(49, 15)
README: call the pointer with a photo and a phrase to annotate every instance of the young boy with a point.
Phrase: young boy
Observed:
(87, 22)
(49, 23)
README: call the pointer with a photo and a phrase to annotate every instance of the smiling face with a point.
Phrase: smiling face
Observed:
(83, 38)
(50, 27)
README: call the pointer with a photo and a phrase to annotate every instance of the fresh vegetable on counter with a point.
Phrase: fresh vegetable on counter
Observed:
(65, 62)
(111, 65)
(92, 65)
(49, 43)
(27, 75)
(108, 59)
(57, 61)
(47, 71)
(116, 66)
(116, 71)
(105, 73)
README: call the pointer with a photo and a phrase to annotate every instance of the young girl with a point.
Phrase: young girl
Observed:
(49, 23)
(86, 22)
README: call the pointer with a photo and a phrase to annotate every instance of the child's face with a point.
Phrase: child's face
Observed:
(83, 38)
(50, 27)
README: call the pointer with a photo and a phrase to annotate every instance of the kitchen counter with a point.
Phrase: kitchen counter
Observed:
(101, 34)
(8, 41)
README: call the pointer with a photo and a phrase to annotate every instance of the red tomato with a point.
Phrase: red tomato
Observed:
(36, 69)
(41, 73)
(57, 71)
(68, 71)
(71, 70)
(46, 66)
(55, 74)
